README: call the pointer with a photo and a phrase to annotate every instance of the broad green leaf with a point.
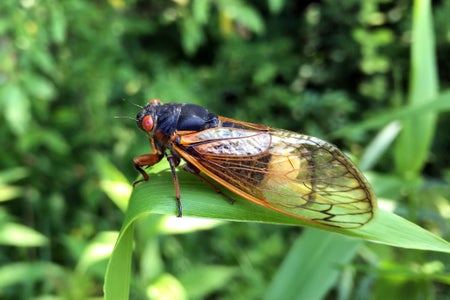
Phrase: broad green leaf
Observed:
(198, 200)
(158, 196)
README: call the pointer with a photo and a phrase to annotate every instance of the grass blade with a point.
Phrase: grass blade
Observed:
(311, 268)
(415, 139)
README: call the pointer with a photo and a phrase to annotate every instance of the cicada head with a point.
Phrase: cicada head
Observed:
(146, 119)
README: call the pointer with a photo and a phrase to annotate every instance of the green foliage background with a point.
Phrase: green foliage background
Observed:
(316, 67)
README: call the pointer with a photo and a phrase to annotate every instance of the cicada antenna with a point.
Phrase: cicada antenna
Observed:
(124, 117)
(132, 103)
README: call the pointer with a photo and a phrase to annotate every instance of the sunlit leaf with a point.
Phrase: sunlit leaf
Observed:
(157, 196)
(13, 234)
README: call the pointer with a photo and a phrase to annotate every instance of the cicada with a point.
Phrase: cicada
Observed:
(294, 174)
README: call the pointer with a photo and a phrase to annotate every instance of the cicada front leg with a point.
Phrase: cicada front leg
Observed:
(145, 160)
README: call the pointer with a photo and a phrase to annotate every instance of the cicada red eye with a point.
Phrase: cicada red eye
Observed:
(147, 123)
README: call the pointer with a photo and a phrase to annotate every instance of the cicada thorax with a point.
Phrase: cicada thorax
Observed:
(163, 122)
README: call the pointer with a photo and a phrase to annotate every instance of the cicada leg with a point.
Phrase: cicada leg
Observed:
(148, 160)
(145, 160)
(174, 161)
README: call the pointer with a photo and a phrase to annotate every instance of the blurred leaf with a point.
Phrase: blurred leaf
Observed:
(118, 273)
(8, 192)
(417, 133)
(379, 145)
(27, 273)
(113, 182)
(13, 174)
(18, 235)
(201, 10)
(244, 15)
(166, 287)
(58, 23)
(200, 281)
(100, 248)
(16, 107)
(46, 62)
(152, 262)
(275, 6)
(38, 86)
(315, 260)
(192, 35)
(440, 103)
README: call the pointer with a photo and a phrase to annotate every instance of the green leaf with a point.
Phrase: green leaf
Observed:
(15, 106)
(112, 182)
(98, 249)
(13, 174)
(192, 35)
(275, 6)
(379, 145)
(317, 268)
(166, 286)
(39, 86)
(417, 134)
(158, 196)
(440, 103)
(58, 23)
(7, 191)
(118, 272)
(19, 274)
(13, 234)
(203, 280)
(198, 200)
(245, 15)
(201, 10)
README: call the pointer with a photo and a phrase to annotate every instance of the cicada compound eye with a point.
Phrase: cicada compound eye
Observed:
(147, 123)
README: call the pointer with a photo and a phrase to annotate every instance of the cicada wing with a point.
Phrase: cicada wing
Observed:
(298, 175)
